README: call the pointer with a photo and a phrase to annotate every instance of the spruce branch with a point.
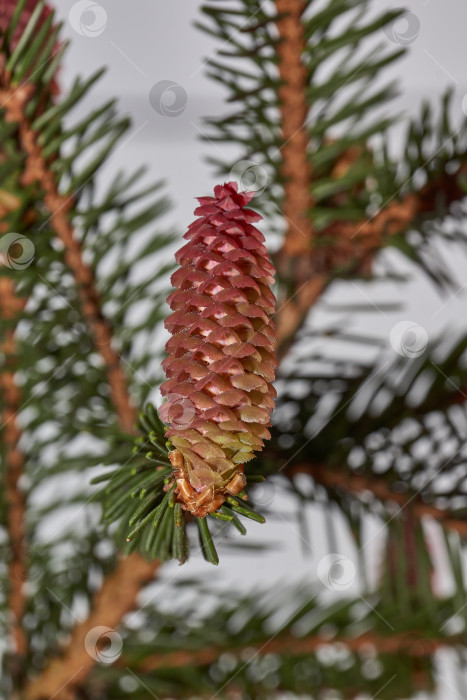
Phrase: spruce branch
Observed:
(307, 640)
(296, 170)
(355, 245)
(10, 305)
(361, 485)
(401, 213)
(392, 643)
(116, 598)
(25, 99)
(119, 591)
(293, 311)
(393, 433)
(37, 169)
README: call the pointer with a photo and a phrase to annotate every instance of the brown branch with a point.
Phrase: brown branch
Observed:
(309, 270)
(411, 643)
(358, 483)
(359, 242)
(119, 591)
(292, 313)
(114, 600)
(10, 306)
(296, 169)
(37, 170)
(399, 215)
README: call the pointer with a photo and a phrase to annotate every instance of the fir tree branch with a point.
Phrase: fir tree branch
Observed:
(286, 643)
(379, 487)
(358, 242)
(292, 313)
(118, 593)
(10, 305)
(36, 169)
(296, 168)
(115, 599)
(401, 214)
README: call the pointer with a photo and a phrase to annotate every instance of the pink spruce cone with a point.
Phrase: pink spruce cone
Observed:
(221, 361)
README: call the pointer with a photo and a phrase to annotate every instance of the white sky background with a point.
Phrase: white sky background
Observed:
(146, 41)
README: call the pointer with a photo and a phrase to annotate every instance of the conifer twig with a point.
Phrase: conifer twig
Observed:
(285, 643)
(360, 241)
(354, 241)
(398, 214)
(292, 313)
(296, 168)
(296, 171)
(359, 483)
(118, 593)
(114, 600)
(10, 305)
(37, 170)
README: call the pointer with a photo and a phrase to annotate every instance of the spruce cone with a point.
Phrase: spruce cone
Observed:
(221, 361)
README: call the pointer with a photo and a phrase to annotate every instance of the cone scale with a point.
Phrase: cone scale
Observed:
(221, 361)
